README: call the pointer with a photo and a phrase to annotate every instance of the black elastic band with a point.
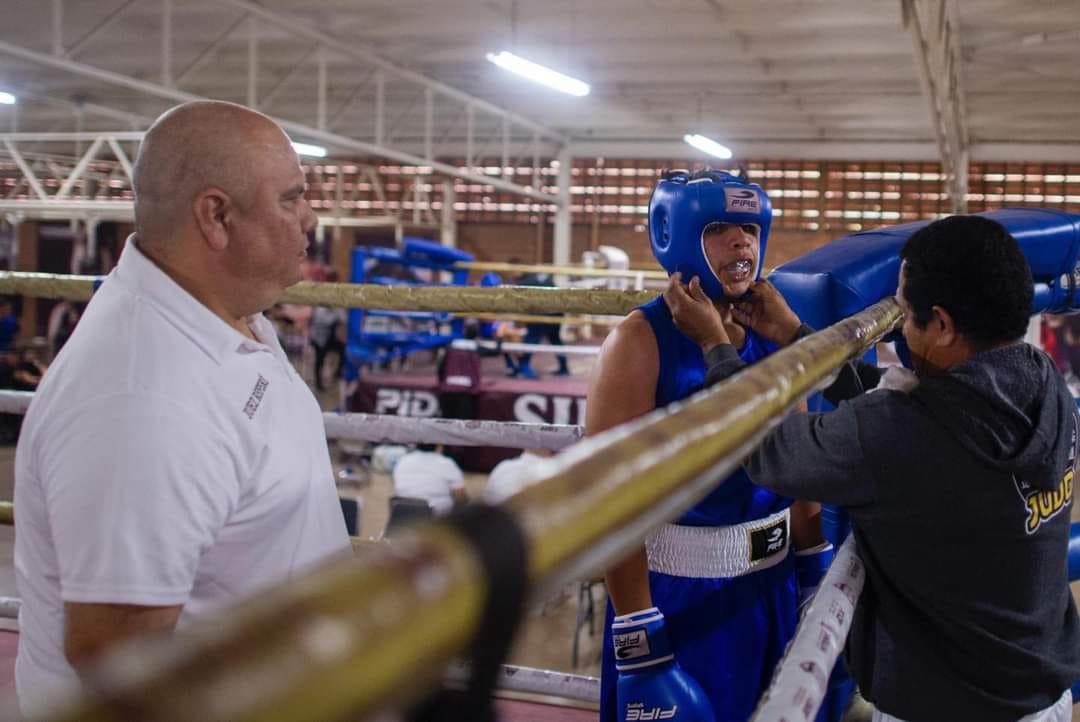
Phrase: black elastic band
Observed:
(803, 331)
(501, 545)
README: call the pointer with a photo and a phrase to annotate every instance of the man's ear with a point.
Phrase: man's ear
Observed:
(945, 327)
(212, 209)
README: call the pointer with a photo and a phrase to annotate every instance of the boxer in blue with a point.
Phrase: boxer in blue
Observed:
(707, 609)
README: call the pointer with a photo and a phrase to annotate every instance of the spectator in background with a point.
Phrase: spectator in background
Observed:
(10, 424)
(1050, 339)
(290, 322)
(508, 332)
(28, 371)
(1067, 352)
(326, 334)
(8, 361)
(499, 331)
(425, 473)
(512, 475)
(107, 259)
(9, 325)
(313, 269)
(62, 320)
(540, 332)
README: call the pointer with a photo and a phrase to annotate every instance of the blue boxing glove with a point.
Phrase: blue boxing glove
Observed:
(651, 684)
(810, 567)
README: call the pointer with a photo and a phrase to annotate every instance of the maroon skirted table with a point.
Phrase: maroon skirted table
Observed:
(552, 400)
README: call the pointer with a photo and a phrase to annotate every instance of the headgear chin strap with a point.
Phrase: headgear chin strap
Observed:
(683, 204)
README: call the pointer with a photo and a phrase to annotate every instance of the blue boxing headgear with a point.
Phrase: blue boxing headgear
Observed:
(684, 204)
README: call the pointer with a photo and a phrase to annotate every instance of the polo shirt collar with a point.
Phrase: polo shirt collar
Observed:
(205, 328)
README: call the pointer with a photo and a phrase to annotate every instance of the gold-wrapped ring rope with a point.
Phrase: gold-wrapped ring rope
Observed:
(358, 636)
(529, 300)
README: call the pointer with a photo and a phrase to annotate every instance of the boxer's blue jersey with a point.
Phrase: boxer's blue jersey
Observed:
(729, 633)
(682, 372)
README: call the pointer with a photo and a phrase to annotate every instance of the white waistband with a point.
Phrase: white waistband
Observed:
(713, 552)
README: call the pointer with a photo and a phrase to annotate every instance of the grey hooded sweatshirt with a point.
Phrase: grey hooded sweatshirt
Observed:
(960, 494)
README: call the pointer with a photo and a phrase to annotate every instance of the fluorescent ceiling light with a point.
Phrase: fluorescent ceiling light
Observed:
(313, 150)
(539, 74)
(7, 98)
(708, 145)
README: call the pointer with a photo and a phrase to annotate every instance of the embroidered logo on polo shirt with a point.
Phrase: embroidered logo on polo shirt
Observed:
(255, 399)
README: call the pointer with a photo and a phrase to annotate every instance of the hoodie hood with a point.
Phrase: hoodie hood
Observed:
(1010, 407)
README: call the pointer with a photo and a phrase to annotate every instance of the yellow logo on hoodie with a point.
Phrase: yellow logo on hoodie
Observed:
(1042, 506)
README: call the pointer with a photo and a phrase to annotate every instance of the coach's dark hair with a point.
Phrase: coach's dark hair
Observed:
(973, 268)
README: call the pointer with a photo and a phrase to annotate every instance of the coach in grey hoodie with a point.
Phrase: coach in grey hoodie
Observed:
(959, 488)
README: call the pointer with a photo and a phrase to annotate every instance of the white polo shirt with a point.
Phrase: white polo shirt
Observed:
(512, 475)
(166, 460)
(428, 475)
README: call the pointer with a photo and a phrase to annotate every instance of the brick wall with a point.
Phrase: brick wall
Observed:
(503, 241)
(786, 245)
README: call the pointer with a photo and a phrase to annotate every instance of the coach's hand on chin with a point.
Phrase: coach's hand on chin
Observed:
(765, 311)
(694, 313)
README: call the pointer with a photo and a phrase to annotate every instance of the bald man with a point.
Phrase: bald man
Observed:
(173, 461)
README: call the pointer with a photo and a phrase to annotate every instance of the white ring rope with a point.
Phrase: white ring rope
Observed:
(9, 607)
(385, 428)
(547, 682)
(802, 677)
(540, 348)
(15, 402)
(466, 344)
(455, 432)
